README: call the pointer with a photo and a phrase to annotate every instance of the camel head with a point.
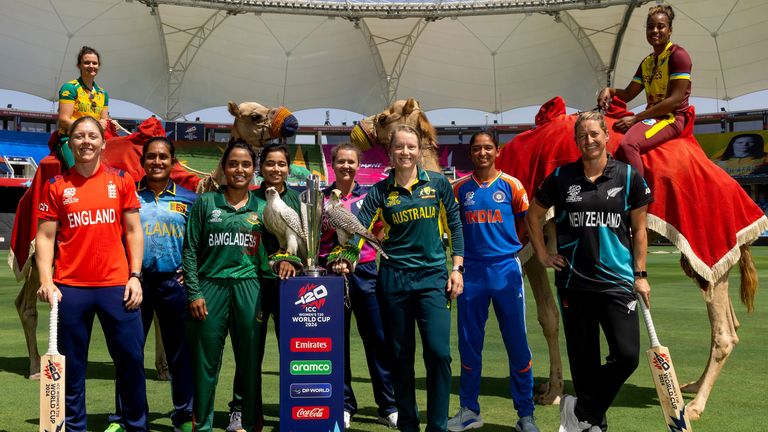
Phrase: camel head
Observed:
(256, 123)
(375, 130)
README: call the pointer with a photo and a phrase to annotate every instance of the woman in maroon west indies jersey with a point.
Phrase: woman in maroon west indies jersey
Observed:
(665, 75)
(93, 207)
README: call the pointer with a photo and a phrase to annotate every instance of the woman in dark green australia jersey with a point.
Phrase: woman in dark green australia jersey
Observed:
(415, 289)
(222, 261)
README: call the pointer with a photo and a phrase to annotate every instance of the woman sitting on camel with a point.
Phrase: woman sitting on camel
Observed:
(666, 77)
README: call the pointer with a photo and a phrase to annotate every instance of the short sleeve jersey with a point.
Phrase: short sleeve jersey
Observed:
(655, 74)
(85, 103)
(593, 224)
(415, 218)
(353, 202)
(89, 212)
(488, 211)
(163, 221)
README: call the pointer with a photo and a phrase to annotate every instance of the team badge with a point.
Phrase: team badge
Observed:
(69, 196)
(65, 93)
(573, 194)
(427, 192)
(612, 192)
(43, 207)
(253, 218)
(649, 122)
(499, 196)
(469, 198)
(393, 199)
(177, 207)
(215, 215)
(111, 190)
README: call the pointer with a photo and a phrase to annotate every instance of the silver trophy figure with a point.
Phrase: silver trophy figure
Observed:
(312, 209)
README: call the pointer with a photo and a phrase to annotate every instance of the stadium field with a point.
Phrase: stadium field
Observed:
(736, 403)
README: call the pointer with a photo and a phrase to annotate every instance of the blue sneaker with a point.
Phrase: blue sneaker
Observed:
(465, 419)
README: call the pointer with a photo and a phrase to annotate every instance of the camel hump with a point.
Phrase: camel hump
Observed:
(551, 109)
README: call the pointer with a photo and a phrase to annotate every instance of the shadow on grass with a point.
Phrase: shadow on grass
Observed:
(15, 365)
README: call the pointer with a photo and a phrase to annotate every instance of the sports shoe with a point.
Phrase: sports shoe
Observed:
(568, 420)
(235, 422)
(465, 419)
(595, 429)
(389, 421)
(347, 419)
(526, 424)
(114, 427)
(184, 427)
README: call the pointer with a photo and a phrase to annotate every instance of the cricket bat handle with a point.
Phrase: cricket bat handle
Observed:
(648, 322)
(53, 327)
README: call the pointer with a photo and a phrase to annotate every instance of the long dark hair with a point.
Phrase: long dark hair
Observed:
(274, 147)
(237, 144)
(756, 151)
(168, 143)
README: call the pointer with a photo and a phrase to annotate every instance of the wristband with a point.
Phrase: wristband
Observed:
(641, 274)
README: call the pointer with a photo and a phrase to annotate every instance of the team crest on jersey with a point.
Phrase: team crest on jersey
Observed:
(65, 93)
(393, 199)
(649, 122)
(253, 218)
(612, 192)
(177, 207)
(69, 196)
(427, 192)
(573, 194)
(215, 215)
(499, 196)
(111, 190)
(469, 198)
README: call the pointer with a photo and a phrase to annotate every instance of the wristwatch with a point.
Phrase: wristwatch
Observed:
(458, 268)
(641, 274)
(137, 275)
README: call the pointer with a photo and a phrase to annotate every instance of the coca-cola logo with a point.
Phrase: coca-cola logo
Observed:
(310, 413)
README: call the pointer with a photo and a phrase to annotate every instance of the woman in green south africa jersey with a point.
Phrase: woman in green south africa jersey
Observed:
(222, 261)
(415, 289)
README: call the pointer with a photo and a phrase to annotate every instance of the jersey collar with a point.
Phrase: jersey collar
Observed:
(95, 89)
(170, 188)
(421, 176)
(357, 190)
(482, 184)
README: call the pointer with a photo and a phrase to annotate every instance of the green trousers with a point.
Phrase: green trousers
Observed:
(410, 299)
(232, 307)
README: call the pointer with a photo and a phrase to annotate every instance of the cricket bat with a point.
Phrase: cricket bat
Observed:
(665, 379)
(52, 378)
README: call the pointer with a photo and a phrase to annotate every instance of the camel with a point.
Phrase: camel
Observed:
(375, 130)
(675, 172)
(255, 123)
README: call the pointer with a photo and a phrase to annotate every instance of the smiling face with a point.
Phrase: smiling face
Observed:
(89, 66)
(158, 161)
(86, 141)
(591, 140)
(483, 152)
(345, 165)
(404, 151)
(238, 169)
(275, 168)
(658, 30)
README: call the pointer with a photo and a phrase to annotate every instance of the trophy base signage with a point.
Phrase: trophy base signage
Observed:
(312, 354)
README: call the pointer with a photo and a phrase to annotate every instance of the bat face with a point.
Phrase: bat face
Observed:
(52, 393)
(668, 389)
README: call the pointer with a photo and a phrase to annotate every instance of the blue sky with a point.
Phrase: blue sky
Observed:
(442, 117)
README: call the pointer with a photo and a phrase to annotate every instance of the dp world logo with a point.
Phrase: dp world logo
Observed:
(311, 367)
(312, 295)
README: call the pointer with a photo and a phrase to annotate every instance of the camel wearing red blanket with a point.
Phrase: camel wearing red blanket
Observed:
(697, 206)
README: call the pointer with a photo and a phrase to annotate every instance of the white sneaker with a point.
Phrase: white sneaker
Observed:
(389, 421)
(595, 429)
(235, 422)
(568, 420)
(465, 419)
(347, 419)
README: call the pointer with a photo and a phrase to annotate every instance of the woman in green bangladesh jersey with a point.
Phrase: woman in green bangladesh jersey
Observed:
(415, 288)
(222, 261)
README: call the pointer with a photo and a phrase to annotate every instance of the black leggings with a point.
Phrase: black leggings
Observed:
(584, 313)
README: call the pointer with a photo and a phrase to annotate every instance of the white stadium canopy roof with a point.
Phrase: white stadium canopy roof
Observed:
(179, 56)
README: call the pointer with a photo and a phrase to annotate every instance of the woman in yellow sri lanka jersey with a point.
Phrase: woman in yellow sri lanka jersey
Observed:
(666, 77)
(81, 97)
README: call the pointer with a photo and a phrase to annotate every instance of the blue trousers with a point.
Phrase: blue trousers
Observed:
(500, 283)
(125, 341)
(362, 293)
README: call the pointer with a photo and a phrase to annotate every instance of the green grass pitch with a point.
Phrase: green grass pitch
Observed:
(737, 402)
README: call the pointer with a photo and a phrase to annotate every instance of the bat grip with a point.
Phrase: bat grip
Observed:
(648, 322)
(53, 326)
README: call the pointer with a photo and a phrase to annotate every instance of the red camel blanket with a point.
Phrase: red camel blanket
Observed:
(121, 152)
(698, 206)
